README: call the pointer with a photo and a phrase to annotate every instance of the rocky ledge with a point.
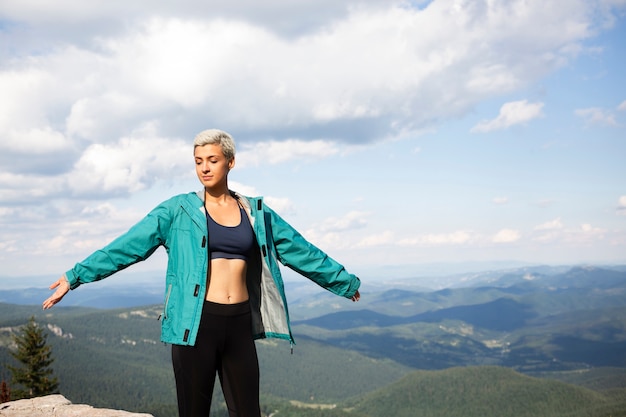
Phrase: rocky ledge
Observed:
(58, 406)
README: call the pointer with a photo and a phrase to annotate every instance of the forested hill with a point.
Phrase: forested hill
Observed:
(487, 391)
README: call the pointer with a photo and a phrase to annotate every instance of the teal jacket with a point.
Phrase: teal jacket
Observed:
(179, 225)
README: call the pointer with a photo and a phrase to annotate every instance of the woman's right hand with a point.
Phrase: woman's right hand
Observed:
(62, 287)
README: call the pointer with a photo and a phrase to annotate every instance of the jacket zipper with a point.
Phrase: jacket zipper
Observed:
(167, 300)
(196, 291)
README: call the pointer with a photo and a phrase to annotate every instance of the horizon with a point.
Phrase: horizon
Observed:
(427, 276)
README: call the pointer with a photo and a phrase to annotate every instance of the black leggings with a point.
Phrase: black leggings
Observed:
(224, 345)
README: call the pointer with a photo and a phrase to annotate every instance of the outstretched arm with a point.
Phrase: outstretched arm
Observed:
(295, 252)
(62, 287)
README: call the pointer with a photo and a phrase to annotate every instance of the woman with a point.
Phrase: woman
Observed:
(223, 284)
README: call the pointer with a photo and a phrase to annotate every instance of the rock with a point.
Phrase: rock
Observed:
(58, 406)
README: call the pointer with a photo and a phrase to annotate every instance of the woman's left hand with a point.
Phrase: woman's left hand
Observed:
(356, 297)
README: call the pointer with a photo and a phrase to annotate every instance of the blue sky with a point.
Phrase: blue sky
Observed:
(392, 134)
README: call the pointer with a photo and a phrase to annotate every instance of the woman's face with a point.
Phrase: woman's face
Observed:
(211, 165)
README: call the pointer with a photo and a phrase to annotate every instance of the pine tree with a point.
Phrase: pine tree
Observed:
(35, 374)
(5, 392)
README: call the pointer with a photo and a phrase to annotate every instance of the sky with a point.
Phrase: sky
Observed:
(391, 134)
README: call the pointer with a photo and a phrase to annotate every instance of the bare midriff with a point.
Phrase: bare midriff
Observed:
(227, 281)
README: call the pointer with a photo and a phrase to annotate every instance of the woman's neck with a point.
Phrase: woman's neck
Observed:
(217, 196)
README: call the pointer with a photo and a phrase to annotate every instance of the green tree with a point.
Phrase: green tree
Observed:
(35, 375)
(5, 392)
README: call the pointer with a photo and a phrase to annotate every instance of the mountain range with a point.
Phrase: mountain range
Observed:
(537, 329)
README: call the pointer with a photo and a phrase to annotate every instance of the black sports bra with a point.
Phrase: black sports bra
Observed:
(230, 242)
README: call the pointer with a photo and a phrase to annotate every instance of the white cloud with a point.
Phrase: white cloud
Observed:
(275, 152)
(243, 189)
(333, 233)
(500, 200)
(621, 206)
(350, 221)
(586, 234)
(26, 189)
(549, 231)
(73, 228)
(129, 165)
(80, 17)
(596, 116)
(587, 228)
(506, 236)
(228, 64)
(436, 239)
(554, 232)
(555, 224)
(622, 106)
(23, 87)
(36, 141)
(380, 239)
(290, 93)
(511, 114)
(281, 205)
(549, 236)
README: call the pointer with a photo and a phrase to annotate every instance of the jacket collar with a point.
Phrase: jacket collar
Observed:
(240, 197)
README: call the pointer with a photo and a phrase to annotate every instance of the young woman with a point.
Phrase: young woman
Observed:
(223, 284)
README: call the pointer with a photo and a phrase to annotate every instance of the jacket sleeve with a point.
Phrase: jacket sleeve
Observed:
(295, 252)
(136, 245)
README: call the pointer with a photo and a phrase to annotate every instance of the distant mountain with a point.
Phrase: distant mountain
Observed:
(503, 314)
(413, 295)
(569, 320)
(464, 275)
(86, 297)
(577, 277)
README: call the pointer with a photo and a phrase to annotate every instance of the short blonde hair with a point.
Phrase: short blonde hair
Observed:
(216, 137)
